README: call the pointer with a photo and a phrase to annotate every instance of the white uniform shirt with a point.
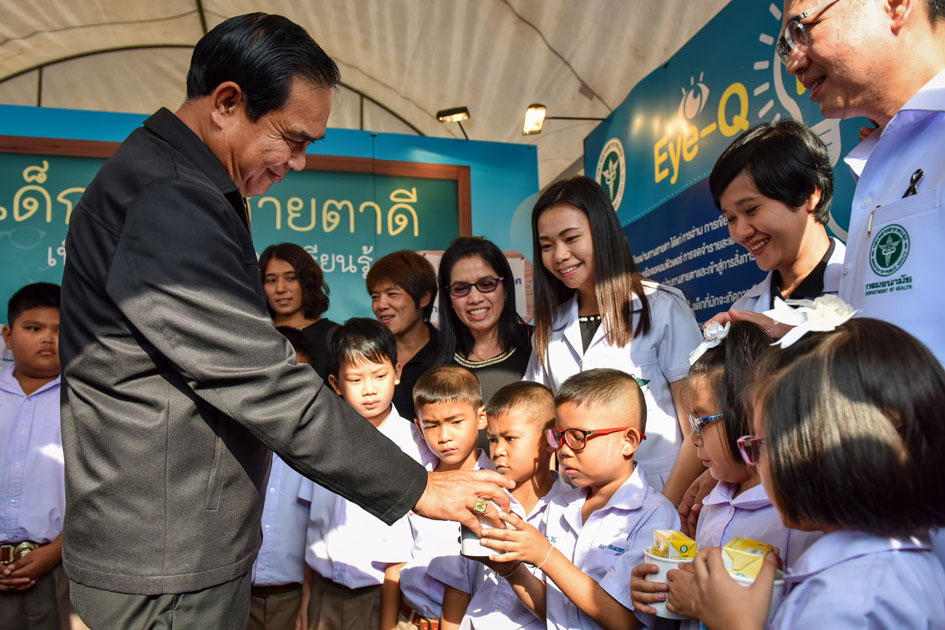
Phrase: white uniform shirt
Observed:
(32, 480)
(758, 298)
(661, 357)
(891, 270)
(850, 580)
(607, 546)
(494, 605)
(433, 541)
(281, 558)
(346, 544)
(749, 515)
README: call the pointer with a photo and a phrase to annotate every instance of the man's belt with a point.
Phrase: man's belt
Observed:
(417, 620)
(11, 552)
(274, 589)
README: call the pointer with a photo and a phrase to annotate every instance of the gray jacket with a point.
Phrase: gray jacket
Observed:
(175, 381)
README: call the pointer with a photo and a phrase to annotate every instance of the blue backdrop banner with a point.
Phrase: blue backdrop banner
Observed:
(654, 153)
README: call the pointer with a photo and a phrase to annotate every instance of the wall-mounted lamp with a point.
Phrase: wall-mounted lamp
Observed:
(456, 115)
(536, 115)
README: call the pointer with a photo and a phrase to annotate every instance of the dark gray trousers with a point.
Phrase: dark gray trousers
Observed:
(39, 607)
(223, 607)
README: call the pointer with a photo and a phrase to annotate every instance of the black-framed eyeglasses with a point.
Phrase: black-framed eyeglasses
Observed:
(750, 448)
(576, 439)
(795, 37)
(698, 423)
(488, 284)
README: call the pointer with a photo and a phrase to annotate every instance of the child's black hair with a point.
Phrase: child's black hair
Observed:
(729, 369)
(360, 338)
(447, 383)
(32, 296)
(852, 420)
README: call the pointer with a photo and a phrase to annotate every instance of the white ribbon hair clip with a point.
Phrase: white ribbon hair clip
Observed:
(822, 314)
(712, 335)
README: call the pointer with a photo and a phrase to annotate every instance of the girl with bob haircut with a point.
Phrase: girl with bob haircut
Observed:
(593, 309)
(480, 328)
(774, 185)
(297, 296)
(848, 440)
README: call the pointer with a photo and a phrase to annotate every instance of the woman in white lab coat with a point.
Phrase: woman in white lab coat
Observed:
(593, 309)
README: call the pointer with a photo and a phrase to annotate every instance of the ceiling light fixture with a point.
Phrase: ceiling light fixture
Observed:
(456, 115)
(536, 114)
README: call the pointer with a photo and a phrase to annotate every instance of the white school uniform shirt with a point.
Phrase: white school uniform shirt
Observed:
(32, 478)
(892, 267)
(346, 544)
(433, 541)
(850, 580)
(758, 298)
(661, 356)
(281, 558)
(493, 604)
(607, 546)
(749, 515)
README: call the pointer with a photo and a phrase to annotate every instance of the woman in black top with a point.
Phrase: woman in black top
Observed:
(297, 296)
(479, 326)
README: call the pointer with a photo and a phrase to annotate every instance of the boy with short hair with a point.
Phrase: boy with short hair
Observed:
(279, 569)
(517, 416)
(352, 557)
(33, 586)
(450, 415)
(606, 519)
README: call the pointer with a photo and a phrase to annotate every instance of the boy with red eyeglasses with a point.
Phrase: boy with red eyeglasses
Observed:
(600, 416)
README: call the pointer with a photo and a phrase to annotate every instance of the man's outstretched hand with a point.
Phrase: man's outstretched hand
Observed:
(451, 496)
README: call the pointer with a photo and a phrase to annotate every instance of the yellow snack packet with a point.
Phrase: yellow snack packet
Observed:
(673, 544)
(744, 557)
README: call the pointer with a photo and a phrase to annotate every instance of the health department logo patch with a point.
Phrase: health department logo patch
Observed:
(612, 171)
(889, 250)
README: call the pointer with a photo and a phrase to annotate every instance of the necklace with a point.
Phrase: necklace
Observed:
(589, 318)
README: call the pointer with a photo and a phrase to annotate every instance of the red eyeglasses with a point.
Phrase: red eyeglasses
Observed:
(576, 439)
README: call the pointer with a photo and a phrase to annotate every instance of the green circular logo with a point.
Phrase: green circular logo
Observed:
(612, 171)
(889, 250)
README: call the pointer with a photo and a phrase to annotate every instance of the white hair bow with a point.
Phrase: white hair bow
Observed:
(712, 335)
(822, 314)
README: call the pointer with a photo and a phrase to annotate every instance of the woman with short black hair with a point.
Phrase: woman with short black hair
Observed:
(774, 185)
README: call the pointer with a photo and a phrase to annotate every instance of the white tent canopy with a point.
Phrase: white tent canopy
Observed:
(401, 60)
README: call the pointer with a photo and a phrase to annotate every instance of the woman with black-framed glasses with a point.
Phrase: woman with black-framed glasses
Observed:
(480, 328)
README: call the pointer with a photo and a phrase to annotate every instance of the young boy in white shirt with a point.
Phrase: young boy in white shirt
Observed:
(600, 417)
(33, 586)
(450, 415)
(352, 557)
(479, 598)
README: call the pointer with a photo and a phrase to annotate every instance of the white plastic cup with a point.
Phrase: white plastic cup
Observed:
(776, 593)
(470, 545)
(665, 564)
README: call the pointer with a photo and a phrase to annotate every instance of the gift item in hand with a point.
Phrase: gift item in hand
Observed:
(744, 557)
(673, 544)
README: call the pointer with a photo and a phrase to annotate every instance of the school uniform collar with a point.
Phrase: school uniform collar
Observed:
(754, 498)
(9, 384)
(542, 504)
(629, 496)
(840, 546)
(483, 462)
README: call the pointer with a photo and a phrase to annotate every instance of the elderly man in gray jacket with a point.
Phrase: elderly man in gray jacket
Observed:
(175, 383)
